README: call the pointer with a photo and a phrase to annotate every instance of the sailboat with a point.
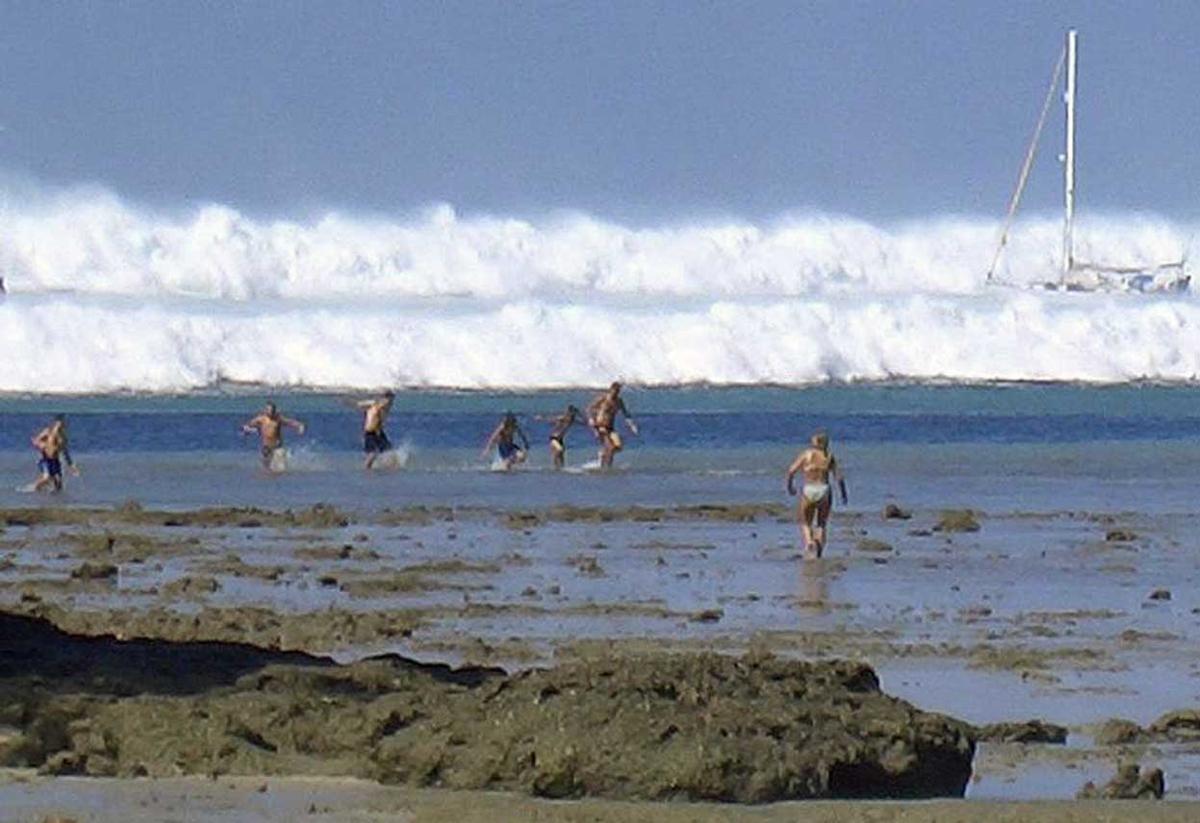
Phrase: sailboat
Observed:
(1074, 274)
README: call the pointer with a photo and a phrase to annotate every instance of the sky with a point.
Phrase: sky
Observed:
(631, 110)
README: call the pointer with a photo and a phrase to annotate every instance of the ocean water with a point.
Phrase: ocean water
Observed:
(152, 328)
(1016, 448)
(107, 297)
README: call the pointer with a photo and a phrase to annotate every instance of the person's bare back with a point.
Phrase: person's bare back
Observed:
(49, 442)
(817, 465)
(375, 414)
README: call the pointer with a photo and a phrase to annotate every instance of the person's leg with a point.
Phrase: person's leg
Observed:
(371, 448)
(44, 478)
(508, 455)
(805, 518)
(615, 445)
(557, 454)
(823, 508)
(612, 445)
(605, 449)
(382, 445)
(51, 475)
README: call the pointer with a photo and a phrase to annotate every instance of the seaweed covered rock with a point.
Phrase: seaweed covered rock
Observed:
(708, 727)
(1029, 731)
(1128, 784)
(651, 726)
(957, 520)
(1118, 731)
(1181, 725)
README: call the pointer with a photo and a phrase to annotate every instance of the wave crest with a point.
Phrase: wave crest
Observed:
(156, 302)
(92, 242)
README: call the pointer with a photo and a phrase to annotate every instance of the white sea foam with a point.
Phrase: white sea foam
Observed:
(107, 297)
(302, 458)
(395, 458)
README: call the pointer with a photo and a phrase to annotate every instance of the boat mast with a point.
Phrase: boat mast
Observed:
(1068, 261)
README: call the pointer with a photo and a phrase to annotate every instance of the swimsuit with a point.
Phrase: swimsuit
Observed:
(376, 442)
(507, 450)
(50, 466)
(816, 492)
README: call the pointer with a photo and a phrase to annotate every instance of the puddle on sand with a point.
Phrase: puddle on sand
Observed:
(1043, 772)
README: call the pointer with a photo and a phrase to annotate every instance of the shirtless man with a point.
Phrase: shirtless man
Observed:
(53, 451)
(375, 439)
(503, 438)
(602, 417)
(269, 424)
(817, 464)
(558, 434)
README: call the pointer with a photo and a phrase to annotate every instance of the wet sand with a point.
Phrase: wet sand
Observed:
(25, 797)
(1067, 616)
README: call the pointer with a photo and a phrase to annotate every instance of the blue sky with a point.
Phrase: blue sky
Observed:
(635, 110)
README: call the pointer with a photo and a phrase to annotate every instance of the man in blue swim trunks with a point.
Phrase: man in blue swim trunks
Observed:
(375, 439)
(53, 451)
(504, 439)
(818, 466)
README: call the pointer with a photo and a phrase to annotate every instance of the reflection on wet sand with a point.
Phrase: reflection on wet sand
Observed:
(814, 586)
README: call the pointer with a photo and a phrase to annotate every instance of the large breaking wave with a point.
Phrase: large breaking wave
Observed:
(106, 297)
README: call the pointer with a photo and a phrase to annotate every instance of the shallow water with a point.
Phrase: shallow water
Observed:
(1016, 448)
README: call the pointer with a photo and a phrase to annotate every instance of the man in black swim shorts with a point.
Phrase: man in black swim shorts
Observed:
(602, 417)
(375, 439)
(558, 434)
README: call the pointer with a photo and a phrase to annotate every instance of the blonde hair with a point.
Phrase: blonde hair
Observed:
(820, 440)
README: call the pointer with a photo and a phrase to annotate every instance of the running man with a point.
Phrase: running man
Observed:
(602, 417)
(53, 451)
(375, 414)
(269, 424)
(503, 438)
(558, 434)
(817, 464)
